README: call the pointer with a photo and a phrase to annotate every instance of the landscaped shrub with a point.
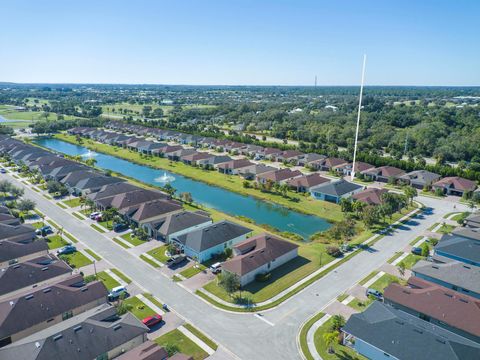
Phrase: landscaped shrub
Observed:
(334, 251)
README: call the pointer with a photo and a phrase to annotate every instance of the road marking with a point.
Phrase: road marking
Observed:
(263, 319)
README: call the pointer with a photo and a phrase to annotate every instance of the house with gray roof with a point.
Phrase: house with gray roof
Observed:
(9, 219)
(252, 171)
(335, 190)
(98, 333)
(111, 190)
(459, 248)
(451, 274)
(419, 179)
(12, 251)
(202, 244)
(177, 224)
(383, 332)
(472, 220)
(17, 233)
(30, 274)
(213, 162)
(24, 315)
(150, 210)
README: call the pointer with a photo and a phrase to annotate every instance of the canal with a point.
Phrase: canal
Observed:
(210, 196)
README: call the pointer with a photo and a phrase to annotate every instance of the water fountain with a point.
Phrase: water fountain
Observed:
(89, 154)
(164, 178)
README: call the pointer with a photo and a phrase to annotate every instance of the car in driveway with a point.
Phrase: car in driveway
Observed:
(175, 260)
(120, 227)
(216, 268)
(94, 215)
(68, 249)
(116, 292)
(3, 171)
(44, 230)
(375, 293)
(151, 321)
(416, 250)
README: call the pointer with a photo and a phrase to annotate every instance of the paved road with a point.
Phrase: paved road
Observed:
(248, 336)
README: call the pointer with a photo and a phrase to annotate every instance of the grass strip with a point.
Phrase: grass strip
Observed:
(121, 275)
(211, 344)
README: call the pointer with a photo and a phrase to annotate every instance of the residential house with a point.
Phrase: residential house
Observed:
(130, 198)
(268, 153)
(440, 306)
(454, 185)
(148, 147)
(290, 156)
(459, 248)
(148, 211)
(335, 190)
(146, 351)
(472, 220)
(384, 174)
(62, 171)
(20, 249)
(178, 154)
(452, 274)
(305, 182)
(194, 158)
(419, 179)
(251, 150)
(382, 332)
(17, 233)
(44, 307)
(306, 159)
(346, 169)
(327, 164)
(252, 171)
(204, 243)
(259, 254)
(278, 176)
(177, 224)
(8, 219)
(213, 162)
(232, 167)
(30, 274)
(98, 333)
(93, 184)
(110, 190)
(370, 196)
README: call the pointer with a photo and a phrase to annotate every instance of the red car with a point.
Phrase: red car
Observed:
(153, 320)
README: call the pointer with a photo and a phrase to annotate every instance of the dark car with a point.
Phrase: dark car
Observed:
(176, 259)
(151, 321)
(45, 230)
(375, 293)
(3, 171)
(416, 250)
(120, 227)
(68, 249)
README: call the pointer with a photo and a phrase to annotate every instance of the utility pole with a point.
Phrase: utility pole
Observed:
(315, 81)
(358, 117)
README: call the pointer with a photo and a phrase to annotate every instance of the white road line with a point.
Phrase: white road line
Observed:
(263, 319)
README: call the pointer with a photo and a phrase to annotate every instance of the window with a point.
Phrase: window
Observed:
(67, 315)
(269, 264)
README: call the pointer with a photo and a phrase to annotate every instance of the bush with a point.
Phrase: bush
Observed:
(433, 241)
(89, 278)
(263, 277)
(334, 251)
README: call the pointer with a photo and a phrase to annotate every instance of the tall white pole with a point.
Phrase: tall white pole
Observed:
(358, 117)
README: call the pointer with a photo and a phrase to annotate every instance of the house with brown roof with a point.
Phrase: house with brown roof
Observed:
(327, 164)
(268, 153)
(346, 169)
(305, 182)
(370, 196)
(438, 305)
(290, 156)
(278, 176)
(454, 185)
(383, 173)
(233, 166)
(24, 315)
(259, 255)
(306, 159)
(161, 152)
(194, 158)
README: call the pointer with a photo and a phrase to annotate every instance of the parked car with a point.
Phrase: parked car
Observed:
(3, 171)
(416, 250)
(375, 293)
(99, 217)
(151, 321)
(216, 268)
(94, 215)
(176, 259)
(116, 292)
(120, 227)
(68, 249)
(44, 230)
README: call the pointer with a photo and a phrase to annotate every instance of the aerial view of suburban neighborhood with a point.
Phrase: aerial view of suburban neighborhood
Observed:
(240, 180)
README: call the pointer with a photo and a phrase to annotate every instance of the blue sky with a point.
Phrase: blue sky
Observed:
(241, 42)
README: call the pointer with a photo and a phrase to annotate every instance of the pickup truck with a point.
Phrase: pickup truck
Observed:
(175, 259)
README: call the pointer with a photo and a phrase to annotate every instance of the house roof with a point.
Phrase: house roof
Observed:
(97, 182)
(31, 272)
(146, 351)
(9, 219)
(386, 171)
(362, 166)
(370, 196)
(74, 177)
(256, 169)
(85, 336)
(312, 157)
(307, 181)
(235, 164)
(421, 177)
(336, 188)
(288, 154)
(10, 249)
(256, 252)
(457, 310)
(176, 222)
(459, 246)
(451, 272)
(197, 156)
(112, 190)
(405, 336)
(279, 175)
(130, 198)
(473, 220)
(332, 162)
(467, 233)
(48, 302)
(152, 209)
(212, 235)
(455, 182)
(12, 231)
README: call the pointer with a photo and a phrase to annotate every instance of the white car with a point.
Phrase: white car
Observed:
(216, 268)
(94, 215)
(116, 292)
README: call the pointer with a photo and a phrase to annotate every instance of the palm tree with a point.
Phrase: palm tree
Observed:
(330, 338)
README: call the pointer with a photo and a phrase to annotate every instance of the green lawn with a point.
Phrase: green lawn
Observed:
(368, 277)
(92, 254)
(107, 280)
(446, 229)
(78, 216)
(201, 336)
(411, 260)
(132, 239)
(417, 239)
(38, 224)
(184, 344)
(121, 275)
(56, 241)
(433, 226)
(192, 271)
(73, 202)
(360, 305)
(159, 254)
(76, 260)
(106, 224)
(460, 216)
(395, 257)
(148, 261)
(99, 229)
(383, 282)
(61, 205)
(340, 351)
(70, 237)
(153, 299)
(120, 243)
(138, 308)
